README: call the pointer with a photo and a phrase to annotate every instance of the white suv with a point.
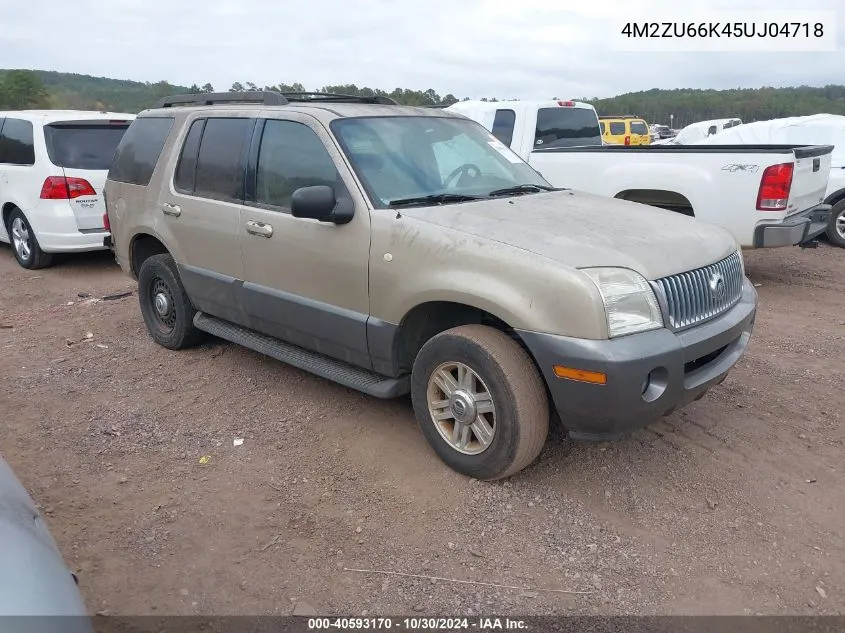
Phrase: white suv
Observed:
(53, 165)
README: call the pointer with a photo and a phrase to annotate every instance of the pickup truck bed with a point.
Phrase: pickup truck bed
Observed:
(721, 184)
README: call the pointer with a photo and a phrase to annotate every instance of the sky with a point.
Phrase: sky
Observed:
(471, 48)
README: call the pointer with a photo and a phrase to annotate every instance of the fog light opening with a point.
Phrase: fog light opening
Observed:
(655, 383)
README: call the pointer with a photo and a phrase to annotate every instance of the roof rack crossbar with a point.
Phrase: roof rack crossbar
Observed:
(332, 97)
(619, 116)
(264, 97)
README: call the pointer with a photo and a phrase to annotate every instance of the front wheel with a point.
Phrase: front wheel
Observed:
(165, 305)
(480, 401)
(836, 227)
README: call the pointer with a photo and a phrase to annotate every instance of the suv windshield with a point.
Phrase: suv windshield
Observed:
(83, 145)
(445, 159)
(567, 127)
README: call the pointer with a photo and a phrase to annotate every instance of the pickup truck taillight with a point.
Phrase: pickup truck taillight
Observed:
(61, 188)
(774, 187)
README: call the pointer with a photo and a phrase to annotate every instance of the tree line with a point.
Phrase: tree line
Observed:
(21, 89)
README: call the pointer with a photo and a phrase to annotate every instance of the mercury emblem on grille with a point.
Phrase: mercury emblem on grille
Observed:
(717, 286)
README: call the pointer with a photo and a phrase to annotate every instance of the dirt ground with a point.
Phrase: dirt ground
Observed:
(734, 505)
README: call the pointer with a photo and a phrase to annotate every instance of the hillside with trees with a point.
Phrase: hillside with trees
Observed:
(749, 104)
(39, 89)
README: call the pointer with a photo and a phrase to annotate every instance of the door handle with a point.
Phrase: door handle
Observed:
(171, 209)
(259, 228)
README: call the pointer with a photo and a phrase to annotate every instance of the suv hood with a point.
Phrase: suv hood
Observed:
(581, 230)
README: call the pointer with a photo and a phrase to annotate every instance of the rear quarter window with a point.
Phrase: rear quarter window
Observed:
(617, 128)
(17, 146)
(139, 150)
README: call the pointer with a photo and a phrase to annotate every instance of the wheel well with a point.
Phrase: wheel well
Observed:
(836, 197)
(430, 319)
(143, 247)
(7, 209)
(669, 200)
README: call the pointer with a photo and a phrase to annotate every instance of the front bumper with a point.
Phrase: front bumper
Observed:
(677, 368)
(795, 230)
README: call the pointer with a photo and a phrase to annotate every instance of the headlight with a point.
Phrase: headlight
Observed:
(629, 301)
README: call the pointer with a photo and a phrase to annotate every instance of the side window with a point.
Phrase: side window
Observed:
(17, 146)
(291, 156)
(639, 127)
(219, 168)
(503, 124)
(617, 128)
(139, 149)
(183, 179)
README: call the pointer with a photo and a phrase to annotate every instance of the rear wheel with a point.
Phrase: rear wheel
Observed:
(25, 245)
(836, 227)
(165, 305)
(480, 402)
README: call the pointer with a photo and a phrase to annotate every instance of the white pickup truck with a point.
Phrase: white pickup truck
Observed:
(764, 195)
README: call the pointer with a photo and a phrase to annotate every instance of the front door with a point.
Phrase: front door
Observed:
(305, 281)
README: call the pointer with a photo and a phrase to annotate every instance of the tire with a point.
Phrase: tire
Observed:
(836, 227)
(507, 375)
(24, 244)
(165, 306)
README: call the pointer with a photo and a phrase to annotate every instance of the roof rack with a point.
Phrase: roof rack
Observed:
(332, 97)
(264, 97)
(619, 116)
(268, 97)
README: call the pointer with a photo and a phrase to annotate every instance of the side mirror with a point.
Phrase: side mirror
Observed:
(319, 203)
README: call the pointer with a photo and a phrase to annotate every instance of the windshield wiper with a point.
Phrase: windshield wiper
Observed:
(527, 188)
(436, 198)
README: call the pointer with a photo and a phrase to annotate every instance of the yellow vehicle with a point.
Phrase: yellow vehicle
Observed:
(624, 130)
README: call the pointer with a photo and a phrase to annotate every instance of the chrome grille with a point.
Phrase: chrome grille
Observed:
(694, 297)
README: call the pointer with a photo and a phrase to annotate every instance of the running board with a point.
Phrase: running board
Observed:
(337, 371)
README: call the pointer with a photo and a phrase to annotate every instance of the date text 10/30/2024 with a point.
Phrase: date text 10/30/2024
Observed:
(418, 624)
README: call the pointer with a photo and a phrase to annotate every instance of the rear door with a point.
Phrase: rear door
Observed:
(616, 132)
(84, 150)
(809, 179)
(200, 210)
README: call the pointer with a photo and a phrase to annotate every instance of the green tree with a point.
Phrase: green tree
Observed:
(194, 89)
(237, 87)
(207, 88)
(22, 90)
